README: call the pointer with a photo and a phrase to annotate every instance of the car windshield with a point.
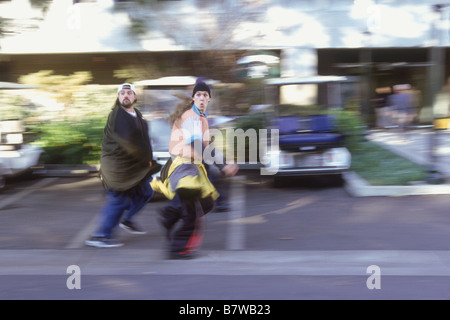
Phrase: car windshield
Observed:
(157, 105)
(159, 131)
(162, 102)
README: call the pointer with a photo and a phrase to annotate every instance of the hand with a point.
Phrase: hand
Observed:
(230, 170)
(150, 163)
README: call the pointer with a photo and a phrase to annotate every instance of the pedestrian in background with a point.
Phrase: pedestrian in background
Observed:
(126, 169)
(184, 178)
(403, 105)
(383, 111)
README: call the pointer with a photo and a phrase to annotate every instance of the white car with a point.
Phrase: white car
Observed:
(15, 156)
(159, 132)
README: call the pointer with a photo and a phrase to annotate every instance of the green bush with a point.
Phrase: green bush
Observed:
(351, 126)
(254, 121)
(71, 142)
(74, 132)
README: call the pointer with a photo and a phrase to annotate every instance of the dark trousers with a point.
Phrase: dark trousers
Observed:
(189, 209)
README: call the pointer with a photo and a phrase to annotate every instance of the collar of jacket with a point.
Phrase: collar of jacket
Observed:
(194, 107)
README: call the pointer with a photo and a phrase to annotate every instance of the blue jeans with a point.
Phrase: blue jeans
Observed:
(117, 202)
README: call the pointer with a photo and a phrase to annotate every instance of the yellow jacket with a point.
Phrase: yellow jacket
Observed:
(196, 182)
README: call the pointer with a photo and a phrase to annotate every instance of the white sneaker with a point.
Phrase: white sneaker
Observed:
(103, 242)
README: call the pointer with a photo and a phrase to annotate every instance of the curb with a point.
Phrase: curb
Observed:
(66, 170)
(356, 186)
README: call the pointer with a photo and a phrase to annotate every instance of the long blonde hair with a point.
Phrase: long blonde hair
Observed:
(180, 109)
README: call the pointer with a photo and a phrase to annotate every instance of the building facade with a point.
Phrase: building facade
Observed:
(383, 41)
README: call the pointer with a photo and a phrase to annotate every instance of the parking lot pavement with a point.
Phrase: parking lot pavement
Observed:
(296, 231)
(60, 213)
(301, 242)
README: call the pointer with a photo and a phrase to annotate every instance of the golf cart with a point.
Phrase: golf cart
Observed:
(309, 143)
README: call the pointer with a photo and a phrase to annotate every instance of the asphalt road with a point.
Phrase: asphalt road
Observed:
(294, 243)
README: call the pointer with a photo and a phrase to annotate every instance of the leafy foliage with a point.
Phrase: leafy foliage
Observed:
(69, 142)
(72, 133)
(61, 87)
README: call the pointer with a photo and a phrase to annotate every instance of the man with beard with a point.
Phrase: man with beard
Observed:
(126, 169)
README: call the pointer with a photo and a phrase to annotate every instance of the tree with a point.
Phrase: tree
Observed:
(9, 26)
(210, 27)
(59, 87)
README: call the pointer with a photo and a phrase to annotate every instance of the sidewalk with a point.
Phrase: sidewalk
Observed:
(422, 146)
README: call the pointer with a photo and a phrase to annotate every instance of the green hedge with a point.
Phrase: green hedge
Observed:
(71, 142)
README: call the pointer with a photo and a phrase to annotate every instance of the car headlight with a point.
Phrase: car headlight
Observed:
(279, 159)
(286, 160)
(337, 157)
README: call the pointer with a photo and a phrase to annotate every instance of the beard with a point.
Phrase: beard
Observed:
(126, 103)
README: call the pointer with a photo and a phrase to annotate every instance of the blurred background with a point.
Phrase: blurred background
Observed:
(60, 65)
(72, 54)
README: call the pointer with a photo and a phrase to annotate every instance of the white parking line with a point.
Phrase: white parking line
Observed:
(16, 197)
(236, 230)
(77, 242)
